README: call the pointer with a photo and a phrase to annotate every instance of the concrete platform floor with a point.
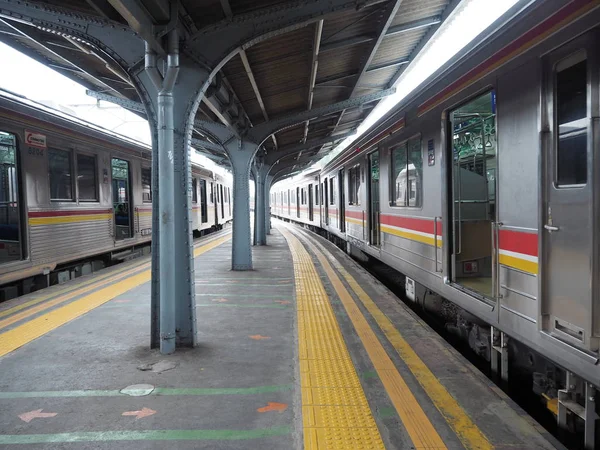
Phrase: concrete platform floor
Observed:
(295, 354)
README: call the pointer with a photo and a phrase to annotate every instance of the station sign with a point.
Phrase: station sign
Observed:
(35, 139)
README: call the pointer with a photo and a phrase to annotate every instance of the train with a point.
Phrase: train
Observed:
(75, 197)
(480, 188)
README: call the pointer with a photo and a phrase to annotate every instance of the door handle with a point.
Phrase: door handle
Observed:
(550, 228)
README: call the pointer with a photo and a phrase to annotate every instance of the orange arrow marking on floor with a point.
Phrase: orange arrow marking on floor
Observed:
(220, 300)
(282, 302)
(271, 406)
(258, 337)
(37, 414)
(144, 412)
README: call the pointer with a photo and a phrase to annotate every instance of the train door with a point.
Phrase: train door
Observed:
(342, 200)
(569, 247)
(121, 190)
(374, 216)
(222, 203)
(326, 202)
(310, 203)
(473, 152)
(11, 206)
(203, 204)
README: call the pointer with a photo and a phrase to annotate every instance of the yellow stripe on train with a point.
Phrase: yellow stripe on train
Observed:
(36, 221)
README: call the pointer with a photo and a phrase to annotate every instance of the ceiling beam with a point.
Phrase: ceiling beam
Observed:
(104, 8)
(313, 72)
(413, 25)
(34, 35)
(260, 132)
(392, 31)
(425, 39)
(290, 150)
(386, 65)
(388, 17)
(140, 21)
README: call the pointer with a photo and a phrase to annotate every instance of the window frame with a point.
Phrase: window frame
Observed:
(580, 55)
(331, 190)
(353, 174)
(149, 169)
(73, 198)
(194, 190)
(96, 178)
(392, 181)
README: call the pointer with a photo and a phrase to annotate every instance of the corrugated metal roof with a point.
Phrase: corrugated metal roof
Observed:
(280, 66)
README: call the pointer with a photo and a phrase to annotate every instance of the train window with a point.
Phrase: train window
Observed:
(571, 117)
(406, 174)
(354, 185)
(212, 196)
(331, 192)
(316, 194)
(61, 174)
(87, 185)
(146, 185)
(194, 190)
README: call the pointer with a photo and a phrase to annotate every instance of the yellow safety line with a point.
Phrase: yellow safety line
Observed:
(415, 420)
(63, 298)
(335, 411)
(23, 334)
(77, 287)
(469, 434)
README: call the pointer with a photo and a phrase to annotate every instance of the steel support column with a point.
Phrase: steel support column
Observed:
(241, 153)
(260, 204)
(268, 181)
(176, 109)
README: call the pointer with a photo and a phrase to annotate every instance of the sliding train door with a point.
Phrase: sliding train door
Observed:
(473, 159)
(121, 189)
(373, 193)
(569, 234)
(11, 206)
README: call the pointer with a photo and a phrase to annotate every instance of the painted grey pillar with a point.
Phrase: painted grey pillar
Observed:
(259, 210)
(175, 113)
(241, 154)
(166, 131)
(268, 181)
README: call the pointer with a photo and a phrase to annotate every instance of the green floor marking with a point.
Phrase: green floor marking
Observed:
(155, 392)
(145, 435)
(386, 412)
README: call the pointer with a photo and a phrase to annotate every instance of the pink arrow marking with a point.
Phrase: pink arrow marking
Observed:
(220, 300)
(144, 412)
(37, 414)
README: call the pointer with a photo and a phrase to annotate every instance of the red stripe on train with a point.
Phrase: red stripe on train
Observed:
(519, 242)
(82, 212)
(570, 9)
(411, 223)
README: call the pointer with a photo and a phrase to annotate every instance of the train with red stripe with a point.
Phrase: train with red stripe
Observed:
(481, 189)
(75, 197)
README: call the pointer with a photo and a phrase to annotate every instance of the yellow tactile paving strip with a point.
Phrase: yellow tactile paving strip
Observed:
(418, 426)
(23, 334)
(335, 411)
(469, 434)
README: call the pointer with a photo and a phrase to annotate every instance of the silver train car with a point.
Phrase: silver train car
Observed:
(73, 192)
(482, 189)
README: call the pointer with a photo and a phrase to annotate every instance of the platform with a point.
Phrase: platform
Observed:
(306, 351)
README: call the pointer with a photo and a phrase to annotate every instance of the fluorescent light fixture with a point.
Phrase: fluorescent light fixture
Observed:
(467, 21)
